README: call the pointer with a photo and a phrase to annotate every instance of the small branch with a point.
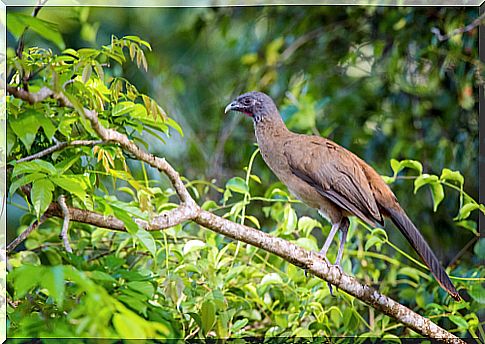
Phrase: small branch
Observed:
(20, 44)
(18, 240)
(65, 225)
(463, 250)
(59, 146)
(458, 31)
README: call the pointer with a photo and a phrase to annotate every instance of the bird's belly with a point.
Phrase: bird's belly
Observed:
(308, 195)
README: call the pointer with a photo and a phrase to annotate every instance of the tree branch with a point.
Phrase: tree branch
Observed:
(59, 146)
(189, 210)
(458, 31)
(165, 220)
(18, 240)
(65, 225)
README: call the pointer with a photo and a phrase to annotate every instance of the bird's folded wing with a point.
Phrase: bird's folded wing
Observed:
(335, 173)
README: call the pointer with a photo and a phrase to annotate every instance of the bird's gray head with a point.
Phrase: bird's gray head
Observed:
(257, 105)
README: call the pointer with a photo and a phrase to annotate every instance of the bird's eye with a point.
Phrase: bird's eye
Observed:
(247, 101)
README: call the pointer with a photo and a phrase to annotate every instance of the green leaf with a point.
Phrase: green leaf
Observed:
(438, 194)
(65, 164)
(147, 241)
(26, 126)
(122, 215)
(28, 178)
(100, 276)
(16, 23)
(290, 219)
(41, 195)
(479, 249)
(46, 124)
(395, 166)
(459, 321)
(25, 278)
(193, 245)
(87, 71)
(174, 125)
(207, 316)
(127, 328)
(144, 287)
(466, 210)
(255, 178)
(239, 324)
(409, 272)
(209, 204)
(33, 167)
(306, 224)
(374, 240)
(307, 244)
(271, 278)
(99, 70)
(398, 166)
(477, 292)
(254, 220)
(53, 281)
(237, 184)
(71, 184)
(450, 175)
(423, 180)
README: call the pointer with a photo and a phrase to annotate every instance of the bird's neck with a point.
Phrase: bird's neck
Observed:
(269, 127)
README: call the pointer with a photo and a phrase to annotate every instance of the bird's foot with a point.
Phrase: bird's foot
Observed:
(328, 283)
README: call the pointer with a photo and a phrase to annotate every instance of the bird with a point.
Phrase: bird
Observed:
(331, 179)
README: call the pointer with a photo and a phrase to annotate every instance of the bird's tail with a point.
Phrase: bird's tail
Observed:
(405, 225)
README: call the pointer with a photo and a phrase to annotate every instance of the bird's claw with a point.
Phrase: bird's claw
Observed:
(328, 283)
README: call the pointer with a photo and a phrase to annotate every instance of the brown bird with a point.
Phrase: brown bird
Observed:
(331, 179)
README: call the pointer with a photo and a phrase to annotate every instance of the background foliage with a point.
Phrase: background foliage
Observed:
(374, 79)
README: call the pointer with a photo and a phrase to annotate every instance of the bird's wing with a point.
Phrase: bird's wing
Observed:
(335, 173)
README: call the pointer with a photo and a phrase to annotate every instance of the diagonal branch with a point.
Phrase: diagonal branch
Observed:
(18, 240)
(189, 210)
(59, 146)
(458, 31)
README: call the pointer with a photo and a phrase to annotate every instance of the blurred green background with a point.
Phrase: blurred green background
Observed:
(374, 79)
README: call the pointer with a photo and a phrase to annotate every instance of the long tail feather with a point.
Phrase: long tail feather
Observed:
(405, 225)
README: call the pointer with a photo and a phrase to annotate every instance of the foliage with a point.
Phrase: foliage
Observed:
(189, 282)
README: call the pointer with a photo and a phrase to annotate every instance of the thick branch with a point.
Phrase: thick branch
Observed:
(314, 263)
(165, 220)
(292, 253)
(38, 96)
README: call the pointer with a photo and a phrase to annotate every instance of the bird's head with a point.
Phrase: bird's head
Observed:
(257, 105)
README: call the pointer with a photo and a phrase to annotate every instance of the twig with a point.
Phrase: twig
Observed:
(65, 225)
(59, 146)
(25, 234)
(458, 31)
(463, 250)
(20, 44)
(189, 210)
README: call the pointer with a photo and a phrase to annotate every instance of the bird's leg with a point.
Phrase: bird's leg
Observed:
(344, 227)
(327, 243)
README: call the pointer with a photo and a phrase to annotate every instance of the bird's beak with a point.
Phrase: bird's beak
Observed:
(230, 107)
